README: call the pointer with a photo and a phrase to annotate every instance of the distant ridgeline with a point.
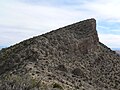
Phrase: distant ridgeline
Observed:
(69, 58)
(115, 48)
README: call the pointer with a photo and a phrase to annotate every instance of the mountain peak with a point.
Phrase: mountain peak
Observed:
(69, 58)
(83, 34)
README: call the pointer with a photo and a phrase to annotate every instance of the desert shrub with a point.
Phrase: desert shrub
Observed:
(62, 68)
(16, 81)
(77, 72)
(56, 85)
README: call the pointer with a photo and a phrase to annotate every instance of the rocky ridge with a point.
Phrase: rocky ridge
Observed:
(69, 58)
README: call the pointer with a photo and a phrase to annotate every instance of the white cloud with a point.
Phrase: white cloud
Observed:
(110, 40)
(105, 9)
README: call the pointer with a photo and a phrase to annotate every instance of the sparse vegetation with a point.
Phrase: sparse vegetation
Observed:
(70, 58)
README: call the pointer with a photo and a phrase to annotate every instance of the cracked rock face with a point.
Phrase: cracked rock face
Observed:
(69, 58)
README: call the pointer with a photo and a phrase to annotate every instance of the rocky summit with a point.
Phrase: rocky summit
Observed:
(69, 58)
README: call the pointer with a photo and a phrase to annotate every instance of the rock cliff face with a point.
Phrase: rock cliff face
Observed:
(69, 58)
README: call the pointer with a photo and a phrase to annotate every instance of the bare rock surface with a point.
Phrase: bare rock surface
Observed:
(69, 58)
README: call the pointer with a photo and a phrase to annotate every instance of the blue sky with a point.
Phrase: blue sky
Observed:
(23, 19)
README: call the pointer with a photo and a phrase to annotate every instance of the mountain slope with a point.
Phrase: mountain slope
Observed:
(69, 58)
(118, 51)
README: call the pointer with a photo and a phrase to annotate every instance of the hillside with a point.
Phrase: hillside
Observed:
(69, 58)
(118, 51)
